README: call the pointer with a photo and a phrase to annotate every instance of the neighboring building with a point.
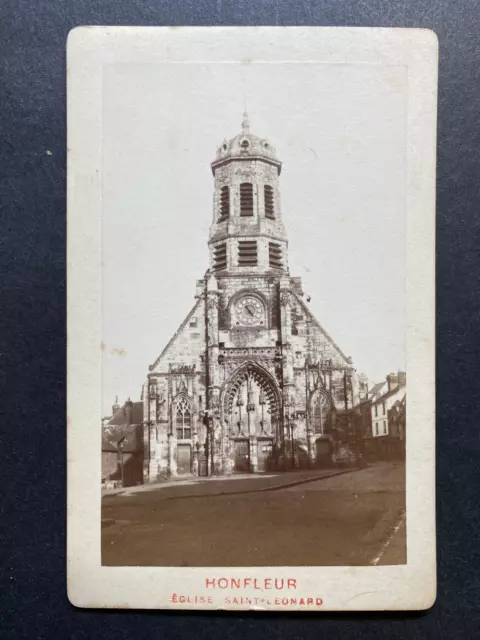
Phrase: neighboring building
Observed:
(392, 395)
(122, 445)
(363, 416)
(251, 380)
(110, 462)
(397, 422)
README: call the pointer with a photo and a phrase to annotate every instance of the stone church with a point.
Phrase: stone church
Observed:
(251, 381)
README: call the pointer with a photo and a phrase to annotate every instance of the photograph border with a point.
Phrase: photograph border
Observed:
(410, 586)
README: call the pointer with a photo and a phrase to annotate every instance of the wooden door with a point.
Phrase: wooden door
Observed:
(264, 454)
(242, 456)
(184, 459)
(323, 451)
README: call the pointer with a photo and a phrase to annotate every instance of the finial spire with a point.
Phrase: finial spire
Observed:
(245, 123)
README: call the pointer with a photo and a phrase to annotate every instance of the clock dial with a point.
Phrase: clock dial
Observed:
(249, 311)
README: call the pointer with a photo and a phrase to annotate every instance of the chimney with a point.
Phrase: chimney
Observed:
(392, 381)
(402, 379)
(128, 412)
(116, 406)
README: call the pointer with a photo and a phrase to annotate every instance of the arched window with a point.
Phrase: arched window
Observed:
(269, 203)
(183, 420)
(224, 203)
(246, 199)
(321, 413)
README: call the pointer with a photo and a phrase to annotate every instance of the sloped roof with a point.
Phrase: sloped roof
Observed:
(246, 144)
(177, 333)
(375, 390)
(389, 394)
(310, 314)
(107, 445)
(119, 418)
(132, 437)
(117, 428)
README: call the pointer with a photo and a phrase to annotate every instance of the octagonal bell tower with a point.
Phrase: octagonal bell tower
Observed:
(250, 381)
(247, 234)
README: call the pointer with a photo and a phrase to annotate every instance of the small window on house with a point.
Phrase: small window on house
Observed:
(376, 410)
(224, 203)
(383, 405)
(246, 199)
(376, 429)
(275, 255)
(247, 253)
(384, 427)
(269, 205)
(193, 322)
(220, 257)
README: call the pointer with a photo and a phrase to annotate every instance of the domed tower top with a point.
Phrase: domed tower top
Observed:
(247, 233)
(246, 145)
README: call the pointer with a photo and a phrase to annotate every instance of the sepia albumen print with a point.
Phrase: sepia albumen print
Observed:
(254, 365)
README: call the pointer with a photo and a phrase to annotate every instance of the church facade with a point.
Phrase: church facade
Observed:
(250, 382)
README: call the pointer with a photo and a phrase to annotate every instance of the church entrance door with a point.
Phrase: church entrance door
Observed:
(264, 454)
(242, 456)
(323, 451)
(184, 456)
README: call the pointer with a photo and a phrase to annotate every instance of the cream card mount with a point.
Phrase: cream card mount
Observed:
(250, 302)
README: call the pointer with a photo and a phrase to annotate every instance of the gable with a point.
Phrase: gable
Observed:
(321, 344)
(188, 342)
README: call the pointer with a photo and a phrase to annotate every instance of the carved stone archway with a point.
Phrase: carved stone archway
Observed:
(251, 410)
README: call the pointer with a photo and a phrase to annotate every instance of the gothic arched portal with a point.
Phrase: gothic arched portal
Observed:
(251, 410)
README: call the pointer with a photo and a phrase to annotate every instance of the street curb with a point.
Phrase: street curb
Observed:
(264, 489)
(314, 479)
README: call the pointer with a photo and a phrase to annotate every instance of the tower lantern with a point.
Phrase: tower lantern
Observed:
(247, 232)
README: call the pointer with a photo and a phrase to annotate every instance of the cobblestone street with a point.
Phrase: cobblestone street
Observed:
(350, 518)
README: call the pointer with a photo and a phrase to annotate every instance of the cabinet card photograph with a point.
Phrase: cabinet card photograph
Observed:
(251, 318)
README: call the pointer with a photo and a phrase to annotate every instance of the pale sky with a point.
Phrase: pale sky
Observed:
(340, 131)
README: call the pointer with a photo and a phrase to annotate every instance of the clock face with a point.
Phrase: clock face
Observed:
(249, 311)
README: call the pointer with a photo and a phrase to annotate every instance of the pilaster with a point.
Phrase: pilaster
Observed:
(213, 372)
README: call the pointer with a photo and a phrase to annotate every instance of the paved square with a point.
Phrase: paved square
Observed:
(343, 520)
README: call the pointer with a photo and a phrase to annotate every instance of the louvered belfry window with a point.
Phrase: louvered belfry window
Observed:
(220, 257)
(275, 255)
(246, 199)
(224, 203)
(269, 204)
(247, 253)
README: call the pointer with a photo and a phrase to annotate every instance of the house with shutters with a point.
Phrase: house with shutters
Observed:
(390, 396)
(251, 380)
